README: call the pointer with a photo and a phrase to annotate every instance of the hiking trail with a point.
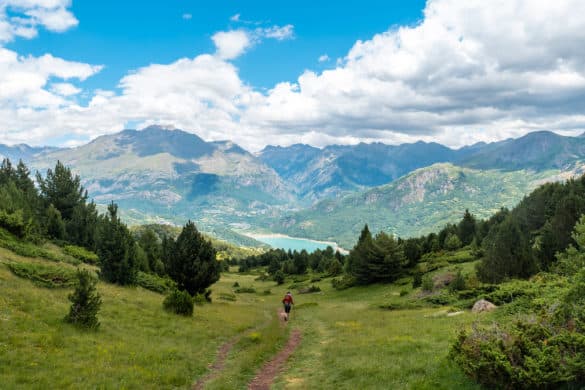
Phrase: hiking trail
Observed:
(273, 367)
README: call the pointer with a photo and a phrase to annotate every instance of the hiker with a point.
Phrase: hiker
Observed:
(287, 301)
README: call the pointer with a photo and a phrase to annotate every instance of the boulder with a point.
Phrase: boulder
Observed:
(482, 305)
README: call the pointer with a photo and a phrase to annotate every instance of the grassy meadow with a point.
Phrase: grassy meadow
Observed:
(349, 340)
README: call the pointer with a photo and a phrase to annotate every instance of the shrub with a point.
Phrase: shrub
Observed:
(245, 290)
(49, 276)
(179, 302)
(81, 253)
(85, 302)
(279, 277)
(227, 297)
(458, 283)
(417, 279)
(543, 352)
(236, 284)
(311, 289)
(427, 283)
(154, 282)
(403, 293)
(345, 282)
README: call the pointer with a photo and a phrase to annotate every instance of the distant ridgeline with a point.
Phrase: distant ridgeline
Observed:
(169, 176)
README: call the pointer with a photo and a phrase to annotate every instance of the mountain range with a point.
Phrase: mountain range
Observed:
(168, 176)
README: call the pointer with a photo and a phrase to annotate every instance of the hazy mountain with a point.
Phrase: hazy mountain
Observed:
(22, 151)
(537, 151)
(159, 175)
(336, 170)
(418, 203)
(170, 175)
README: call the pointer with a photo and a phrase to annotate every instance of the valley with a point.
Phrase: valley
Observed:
(170, 176)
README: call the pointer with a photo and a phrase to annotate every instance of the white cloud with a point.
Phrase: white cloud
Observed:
(469, 71)
(187, 16)
(324, 58)
(50, 14)
(468, 68)
(235, 18)
(277, 32)
(231, 44)
(65, 89)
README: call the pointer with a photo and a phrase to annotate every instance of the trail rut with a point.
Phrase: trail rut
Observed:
(272, 368)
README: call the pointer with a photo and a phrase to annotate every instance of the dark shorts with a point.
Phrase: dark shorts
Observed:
(287, 307)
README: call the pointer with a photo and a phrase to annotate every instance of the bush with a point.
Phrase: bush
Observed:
(85, 302)
(279, 277)
(311, 289)
(345, 282)
(403, 293)
(417, 279)
(154, 282)
(458, 283)
(236, 284)
(24, 248)
(427, 283)
(81, 254)
(245, 290)
(13, 222)
(179, 302)
(227, 297)
(49, 276)
(543, 352)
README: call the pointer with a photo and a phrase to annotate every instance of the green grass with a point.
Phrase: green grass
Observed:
(138, 345)
(349, 341)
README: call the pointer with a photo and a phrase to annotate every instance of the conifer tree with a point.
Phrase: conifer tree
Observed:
(466, 228)
(85, 302)
(116, 249)
(193, 264)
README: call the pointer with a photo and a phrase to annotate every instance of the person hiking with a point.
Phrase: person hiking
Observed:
(288, 302)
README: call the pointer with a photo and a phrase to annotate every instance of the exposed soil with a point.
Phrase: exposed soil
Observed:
(271, 369)
(216, 367)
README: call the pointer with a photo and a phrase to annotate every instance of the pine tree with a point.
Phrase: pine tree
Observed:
(62, 189)
(116, 249)
(466, 228)
(507, 254)
(387, 259)
(193, 264)
(360, 256)
(85, 302)
(148, 241)
(55, 225)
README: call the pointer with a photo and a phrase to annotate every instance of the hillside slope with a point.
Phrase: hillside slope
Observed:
(416, 204)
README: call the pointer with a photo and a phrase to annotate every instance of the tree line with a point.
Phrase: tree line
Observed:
(56, 207)
(513, 243)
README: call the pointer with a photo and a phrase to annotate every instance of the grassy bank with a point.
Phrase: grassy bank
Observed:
(349, 340)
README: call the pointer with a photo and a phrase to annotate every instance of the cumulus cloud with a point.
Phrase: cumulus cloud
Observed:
(323, 58)
(187, 16)
(231, 44)
(469, 71)
(22, 18)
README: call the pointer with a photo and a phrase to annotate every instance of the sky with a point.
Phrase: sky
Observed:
(262, 72)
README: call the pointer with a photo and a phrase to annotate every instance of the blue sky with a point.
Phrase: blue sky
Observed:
(125, 35)
(265, 72)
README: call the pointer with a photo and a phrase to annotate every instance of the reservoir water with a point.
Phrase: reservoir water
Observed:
(293, 243)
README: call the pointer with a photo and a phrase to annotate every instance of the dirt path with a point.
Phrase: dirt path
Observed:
(271, 369)
(218, 365)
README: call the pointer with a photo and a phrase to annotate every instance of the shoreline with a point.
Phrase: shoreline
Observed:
(258, 236)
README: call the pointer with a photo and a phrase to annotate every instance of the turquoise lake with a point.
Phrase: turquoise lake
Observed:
(293, 243)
